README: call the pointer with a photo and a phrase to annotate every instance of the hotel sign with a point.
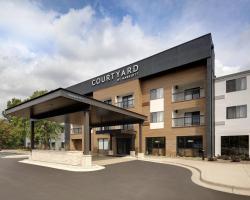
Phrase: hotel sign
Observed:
(118, 75)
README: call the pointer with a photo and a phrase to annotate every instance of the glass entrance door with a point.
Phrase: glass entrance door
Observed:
(123, 146)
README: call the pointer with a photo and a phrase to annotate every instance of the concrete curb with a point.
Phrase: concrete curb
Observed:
(62, 166)
(198, 179)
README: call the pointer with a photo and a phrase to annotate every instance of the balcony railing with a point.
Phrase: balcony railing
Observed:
(196, 120)
(126, 104)
(190, 94)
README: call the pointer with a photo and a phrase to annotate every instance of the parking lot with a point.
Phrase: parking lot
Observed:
(126, 180)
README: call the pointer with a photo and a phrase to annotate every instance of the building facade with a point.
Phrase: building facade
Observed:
(232, 115)
(174, 89)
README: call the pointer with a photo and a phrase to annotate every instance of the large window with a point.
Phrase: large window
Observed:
(157, 117)
(103, 144)
(233, 145)
(156, 94)
(155, 146)
(189, 145)
(235, 112)
(236, 84)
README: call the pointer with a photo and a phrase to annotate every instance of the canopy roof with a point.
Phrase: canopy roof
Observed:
(64, 106)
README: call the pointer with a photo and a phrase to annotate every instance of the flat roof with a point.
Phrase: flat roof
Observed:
(192, 51)
(229, 76)
(62, 106)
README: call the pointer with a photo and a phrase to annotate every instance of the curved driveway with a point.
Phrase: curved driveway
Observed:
(124, 181)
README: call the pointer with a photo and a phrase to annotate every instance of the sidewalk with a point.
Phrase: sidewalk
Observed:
(226, 177)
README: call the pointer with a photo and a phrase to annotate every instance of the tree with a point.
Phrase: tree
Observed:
(18, 129)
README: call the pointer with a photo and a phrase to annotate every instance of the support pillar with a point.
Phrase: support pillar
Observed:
(140, 153)
(86, 133)
(110, 142)
(110, 153)
(132, 150)
(90, 139)
(66, 136)
(32, 134)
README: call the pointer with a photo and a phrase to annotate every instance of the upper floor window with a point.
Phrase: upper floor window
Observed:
(193, 93)
(108, 101)
(236, 84)
(157, 117)
(235, 112)
(127, 102)
(156, 93)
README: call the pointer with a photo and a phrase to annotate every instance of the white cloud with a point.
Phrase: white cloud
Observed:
(43, 49)
(46, 50)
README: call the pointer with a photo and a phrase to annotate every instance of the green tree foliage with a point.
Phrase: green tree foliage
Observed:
(14, 130)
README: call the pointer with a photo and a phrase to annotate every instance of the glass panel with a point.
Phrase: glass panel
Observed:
(230, 85)
(152, 94)
(160, 93)
(231, 112)
(100, 144)
(156, 93)
(105, 144)
(109, 101)
(155, 145)
(189, 145)
(243, 83)
(234, 145)
(188, 94)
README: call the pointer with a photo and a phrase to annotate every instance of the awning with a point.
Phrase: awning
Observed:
(64, 106)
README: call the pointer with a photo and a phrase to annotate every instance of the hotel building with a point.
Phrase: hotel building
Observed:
(174, 89)
(232, 114)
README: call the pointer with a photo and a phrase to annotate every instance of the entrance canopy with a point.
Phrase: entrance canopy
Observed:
(64, 106)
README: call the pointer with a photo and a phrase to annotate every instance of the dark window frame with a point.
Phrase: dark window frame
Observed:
(234, 85)
(235, 112)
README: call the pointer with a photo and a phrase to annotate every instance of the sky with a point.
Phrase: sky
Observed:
(46, 44)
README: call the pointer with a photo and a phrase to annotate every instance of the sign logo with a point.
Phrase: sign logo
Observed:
(121, 74)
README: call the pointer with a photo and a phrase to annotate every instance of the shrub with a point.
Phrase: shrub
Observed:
(212, 159)
(235, 159)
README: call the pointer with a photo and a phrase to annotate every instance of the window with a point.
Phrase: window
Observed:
(77, 130)
(193, 93)
(128, 126)
(127, 101)
(231, 145)
(157, 117)
(189, 145)
(236, 84)
(235, 112)
(103, 144)
(192, 118)
(156, 94)
(108, 101)
(155, 146)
